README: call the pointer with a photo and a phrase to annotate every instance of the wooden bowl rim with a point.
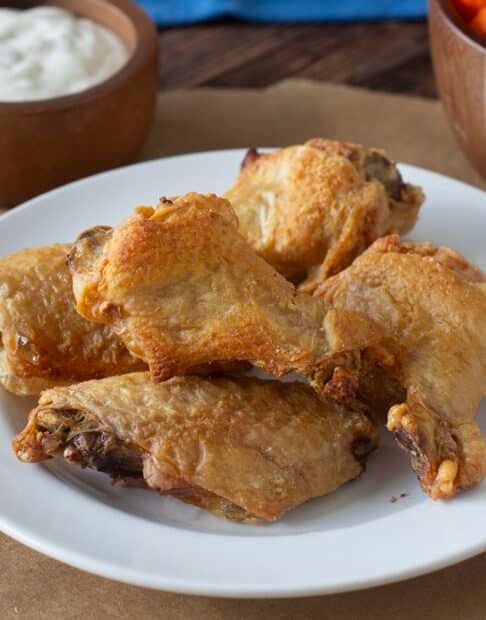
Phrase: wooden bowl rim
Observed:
(146, 45)
(460, 27)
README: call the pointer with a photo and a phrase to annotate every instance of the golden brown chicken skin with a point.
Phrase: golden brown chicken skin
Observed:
(310, 209)
(240, 448)
(183, 289)
(432, 305)
(43, 340)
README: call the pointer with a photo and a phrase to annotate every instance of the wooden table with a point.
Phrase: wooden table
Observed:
(389, 56)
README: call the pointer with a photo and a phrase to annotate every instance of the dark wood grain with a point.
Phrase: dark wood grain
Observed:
(390, 56)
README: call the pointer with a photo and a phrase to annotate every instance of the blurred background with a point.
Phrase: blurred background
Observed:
(430, 49)
(379, 44)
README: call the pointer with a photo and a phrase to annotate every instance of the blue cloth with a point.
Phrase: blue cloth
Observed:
(174, 12)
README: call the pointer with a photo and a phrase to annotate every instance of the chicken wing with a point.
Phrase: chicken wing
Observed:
(182, 289)
(240, 448)
(309, 210)
(432, 305)
(43, 340)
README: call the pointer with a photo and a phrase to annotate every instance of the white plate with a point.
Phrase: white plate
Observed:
(351, 539)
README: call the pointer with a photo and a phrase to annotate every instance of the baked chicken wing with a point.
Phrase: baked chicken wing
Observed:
(309, 210)
(43, 340)
(240, 448)
(432, 305)
(183, 289)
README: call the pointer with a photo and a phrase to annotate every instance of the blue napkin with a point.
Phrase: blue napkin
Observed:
(173, 12)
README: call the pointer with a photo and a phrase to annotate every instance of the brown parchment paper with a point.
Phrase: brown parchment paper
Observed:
(412, 130)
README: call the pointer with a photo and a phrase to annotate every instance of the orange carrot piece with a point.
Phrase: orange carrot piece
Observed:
(468, 8)
(479, 22)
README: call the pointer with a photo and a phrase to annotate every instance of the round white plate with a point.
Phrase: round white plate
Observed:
(351, 539)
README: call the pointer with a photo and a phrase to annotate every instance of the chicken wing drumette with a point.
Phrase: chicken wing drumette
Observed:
(182, 289)
(43, 340)
(431, 304)
(310, 209)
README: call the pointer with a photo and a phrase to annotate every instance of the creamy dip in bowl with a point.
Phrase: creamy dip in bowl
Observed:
(48, 52)
(74, 106)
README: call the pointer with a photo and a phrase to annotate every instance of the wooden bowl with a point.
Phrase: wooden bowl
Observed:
(459, 57)
(46, 143)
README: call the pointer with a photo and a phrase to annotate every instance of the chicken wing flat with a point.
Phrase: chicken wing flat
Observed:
(240, 448)
(43, 340)
(432, 304)
(183, 289)
(309, 210)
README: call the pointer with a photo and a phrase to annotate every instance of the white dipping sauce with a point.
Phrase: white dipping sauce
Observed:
(48, 52)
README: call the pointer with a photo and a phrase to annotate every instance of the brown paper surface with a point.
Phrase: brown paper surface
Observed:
(412, 130)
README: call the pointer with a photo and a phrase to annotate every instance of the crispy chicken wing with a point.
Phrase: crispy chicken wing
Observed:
(182, 289)
(432, 305)
(43, 340)
(240, 448)
(309, 210)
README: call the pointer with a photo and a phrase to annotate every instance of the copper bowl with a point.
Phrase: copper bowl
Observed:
(459, 56)
(46, 143)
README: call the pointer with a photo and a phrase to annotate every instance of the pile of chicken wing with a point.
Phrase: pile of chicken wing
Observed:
(142, 339)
